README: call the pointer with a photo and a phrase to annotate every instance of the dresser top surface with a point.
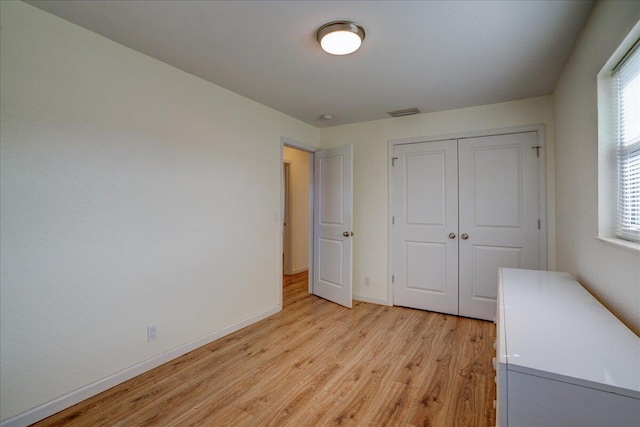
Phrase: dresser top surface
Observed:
(553, 326)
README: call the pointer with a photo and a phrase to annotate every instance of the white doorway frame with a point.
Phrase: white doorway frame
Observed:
(287, 224)
(311, 150)
(542, 179)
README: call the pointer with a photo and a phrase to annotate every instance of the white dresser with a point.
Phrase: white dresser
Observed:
(562, 358)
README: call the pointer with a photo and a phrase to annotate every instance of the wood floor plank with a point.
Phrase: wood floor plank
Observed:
(315, 363)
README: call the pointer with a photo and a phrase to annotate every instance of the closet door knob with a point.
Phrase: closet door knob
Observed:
(464, 236)
(452, 235)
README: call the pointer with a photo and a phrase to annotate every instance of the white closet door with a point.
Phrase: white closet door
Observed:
(425, 210)
(499, 214)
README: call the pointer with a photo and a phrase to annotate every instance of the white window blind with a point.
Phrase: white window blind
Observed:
(626, 78)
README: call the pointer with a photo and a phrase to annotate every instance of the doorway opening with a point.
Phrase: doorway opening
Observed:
(320, 213)
(296, 213)
(295, 218)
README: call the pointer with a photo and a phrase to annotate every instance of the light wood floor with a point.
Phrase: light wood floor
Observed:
(315, 363)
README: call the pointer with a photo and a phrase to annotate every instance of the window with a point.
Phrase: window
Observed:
(626, 90)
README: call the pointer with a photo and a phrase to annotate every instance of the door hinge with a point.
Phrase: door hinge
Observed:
(537, 147)
(393, 161)
(538, 224)
(393, 220)
(393, 279)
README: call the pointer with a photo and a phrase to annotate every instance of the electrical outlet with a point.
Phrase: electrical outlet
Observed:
(367, 281)
(152, 332)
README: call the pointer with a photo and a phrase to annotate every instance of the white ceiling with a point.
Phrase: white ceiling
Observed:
(434, 55)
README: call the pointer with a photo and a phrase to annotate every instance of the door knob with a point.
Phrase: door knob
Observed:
(345, 234)
(452, 235)
(464, 236)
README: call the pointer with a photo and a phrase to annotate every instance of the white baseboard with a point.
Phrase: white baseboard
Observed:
(379, 301)
(299, 270)
(54, 406)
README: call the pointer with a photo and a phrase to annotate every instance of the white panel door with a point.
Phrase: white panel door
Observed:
(425, 214)
(499, 215)
(333, 224)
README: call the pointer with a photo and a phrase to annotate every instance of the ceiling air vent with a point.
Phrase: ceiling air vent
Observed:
(406, 112)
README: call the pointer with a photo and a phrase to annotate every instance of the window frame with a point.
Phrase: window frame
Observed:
(628, 153)
(609, 154)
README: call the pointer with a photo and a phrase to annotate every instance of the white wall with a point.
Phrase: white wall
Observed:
(132, 193)
(371, 174)
(298, 223)
(611, 273)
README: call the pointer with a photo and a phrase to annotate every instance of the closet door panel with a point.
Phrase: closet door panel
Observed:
(486, 261)
(425, 210)
(498, 215)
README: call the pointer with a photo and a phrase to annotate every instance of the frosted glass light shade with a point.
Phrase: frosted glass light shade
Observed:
(340, 38)
(340, 43)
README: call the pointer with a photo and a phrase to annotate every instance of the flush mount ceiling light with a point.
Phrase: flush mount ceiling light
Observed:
(340, 37)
